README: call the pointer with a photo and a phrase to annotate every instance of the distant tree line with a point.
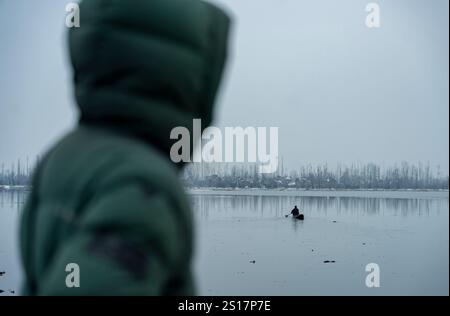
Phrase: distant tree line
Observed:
(226, 175)
(17, 174)
(355, 176)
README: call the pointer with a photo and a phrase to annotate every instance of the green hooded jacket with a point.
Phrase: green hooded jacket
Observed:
(107, 197)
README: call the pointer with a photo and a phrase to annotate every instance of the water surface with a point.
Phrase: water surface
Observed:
(246, 246)
(407, 237)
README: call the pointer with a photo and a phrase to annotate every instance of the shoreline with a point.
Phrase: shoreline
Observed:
(363, 193)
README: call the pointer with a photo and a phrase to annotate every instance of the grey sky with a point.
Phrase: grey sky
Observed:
(337, 90)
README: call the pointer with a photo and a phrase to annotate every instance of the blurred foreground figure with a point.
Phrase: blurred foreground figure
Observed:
(107, 197)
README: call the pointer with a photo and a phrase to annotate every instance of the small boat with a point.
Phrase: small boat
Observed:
(300, 217)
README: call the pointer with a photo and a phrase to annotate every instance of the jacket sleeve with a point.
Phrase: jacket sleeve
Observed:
(127, 241)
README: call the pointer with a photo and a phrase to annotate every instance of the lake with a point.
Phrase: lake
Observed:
(246, 246)
(405, 233)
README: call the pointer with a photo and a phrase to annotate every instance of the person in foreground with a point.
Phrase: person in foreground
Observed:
(107, 197)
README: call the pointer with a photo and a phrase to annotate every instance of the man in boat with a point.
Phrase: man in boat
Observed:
(295, 212)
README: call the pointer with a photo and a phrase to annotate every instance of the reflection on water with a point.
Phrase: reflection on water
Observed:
(276, 206)
(12, 199)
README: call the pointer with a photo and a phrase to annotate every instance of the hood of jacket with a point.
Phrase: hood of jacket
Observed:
(143, 67)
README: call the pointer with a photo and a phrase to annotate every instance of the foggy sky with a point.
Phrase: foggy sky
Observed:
(337, 90)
